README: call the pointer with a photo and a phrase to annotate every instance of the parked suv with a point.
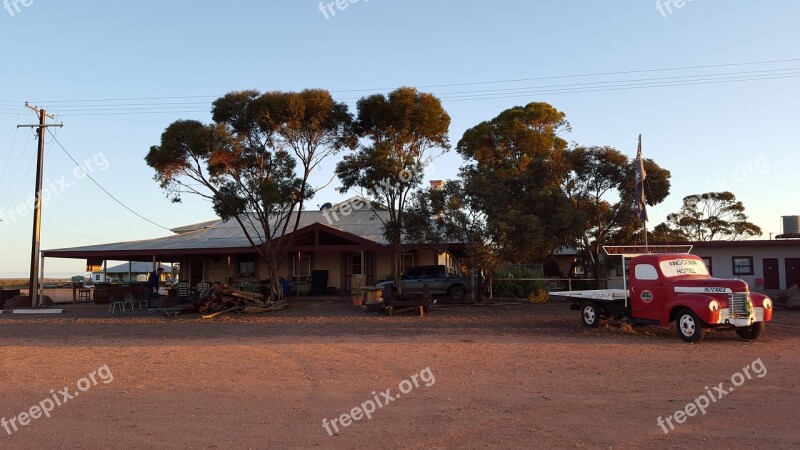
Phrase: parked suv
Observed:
(437, 279)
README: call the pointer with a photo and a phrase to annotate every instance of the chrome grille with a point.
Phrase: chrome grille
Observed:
(740, 306)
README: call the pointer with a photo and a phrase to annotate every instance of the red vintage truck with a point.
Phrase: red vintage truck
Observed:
(676, 287)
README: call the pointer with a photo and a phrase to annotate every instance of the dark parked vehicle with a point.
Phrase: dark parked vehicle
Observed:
(437, 279)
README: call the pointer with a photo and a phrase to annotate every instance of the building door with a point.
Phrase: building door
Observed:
(218, 269)
(196, 272)
(792, 272)
(357, 271)
(772, 279)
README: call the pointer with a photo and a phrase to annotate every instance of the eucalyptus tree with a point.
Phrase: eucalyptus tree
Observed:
(401, 133)
(247, 161)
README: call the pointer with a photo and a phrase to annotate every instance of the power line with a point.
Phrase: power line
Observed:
(614, 88)
(472, 83)
(101, 187)
(17, 198)
(174, 105)
(16, 171)
(135, 113)
(596, 74)
(576, 88)
(10, 151)
(183, 97)
(709, 77)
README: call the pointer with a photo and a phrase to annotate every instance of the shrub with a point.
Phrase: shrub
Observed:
(521, 288)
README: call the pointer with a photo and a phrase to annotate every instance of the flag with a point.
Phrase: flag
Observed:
(640, 206)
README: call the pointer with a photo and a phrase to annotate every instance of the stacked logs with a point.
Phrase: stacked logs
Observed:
(221, 299)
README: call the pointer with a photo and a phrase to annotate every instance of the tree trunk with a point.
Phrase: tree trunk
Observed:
(397, 262)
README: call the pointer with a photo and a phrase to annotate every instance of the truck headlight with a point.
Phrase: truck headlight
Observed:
(713, 305)
(767, 303)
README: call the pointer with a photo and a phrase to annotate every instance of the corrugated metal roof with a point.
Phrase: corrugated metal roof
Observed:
(219, 234)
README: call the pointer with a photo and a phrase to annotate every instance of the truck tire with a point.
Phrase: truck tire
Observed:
(457, 292)
(590, 314)
(690, 327)
(751, 332)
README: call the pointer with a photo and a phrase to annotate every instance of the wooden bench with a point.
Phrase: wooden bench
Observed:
(394, 303)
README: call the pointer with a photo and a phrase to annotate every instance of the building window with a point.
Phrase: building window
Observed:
(301, 266)
(627, 268)
(707, 261)
(247, 266)
(356, 264)
(742, 265)
(408, 261)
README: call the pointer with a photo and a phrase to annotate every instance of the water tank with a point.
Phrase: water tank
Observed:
(791, 225)
(437, 185)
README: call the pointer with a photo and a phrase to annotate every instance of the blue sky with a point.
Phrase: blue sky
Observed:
(66, 56)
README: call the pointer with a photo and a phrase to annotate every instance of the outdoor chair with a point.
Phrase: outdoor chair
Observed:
(127, 299)
(183, 291)
(114, 304)
(131, 300)
(202, 287)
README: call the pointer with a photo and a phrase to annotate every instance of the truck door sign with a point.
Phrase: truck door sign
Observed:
(646, 296)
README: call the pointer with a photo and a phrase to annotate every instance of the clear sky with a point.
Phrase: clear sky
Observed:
(730, 127)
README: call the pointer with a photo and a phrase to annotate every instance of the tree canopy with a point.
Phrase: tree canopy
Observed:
(246, 162)
(449, 214)
(399, 133)
(601, 185)
(513, 174)
(712, 216)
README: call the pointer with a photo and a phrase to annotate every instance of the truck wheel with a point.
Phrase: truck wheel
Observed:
(457, 292)
(690, 327)
(590, 314)
(751, 332)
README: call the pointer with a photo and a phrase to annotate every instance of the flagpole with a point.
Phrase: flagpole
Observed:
(644, 205)
(640, 194)
(644, 229)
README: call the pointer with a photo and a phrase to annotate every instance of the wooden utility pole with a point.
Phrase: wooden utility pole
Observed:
(33, 286)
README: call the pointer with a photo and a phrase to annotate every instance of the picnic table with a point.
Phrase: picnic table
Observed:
(394, 303)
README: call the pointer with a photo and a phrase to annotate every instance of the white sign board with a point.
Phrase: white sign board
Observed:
(683, 267)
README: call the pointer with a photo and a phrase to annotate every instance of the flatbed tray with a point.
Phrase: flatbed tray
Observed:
(596, 294)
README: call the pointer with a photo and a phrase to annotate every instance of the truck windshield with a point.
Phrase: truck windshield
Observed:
(683, 267)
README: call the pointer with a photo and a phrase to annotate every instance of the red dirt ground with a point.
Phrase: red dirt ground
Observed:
(505, 377)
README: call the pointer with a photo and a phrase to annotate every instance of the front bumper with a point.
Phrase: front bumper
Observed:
(726, 318)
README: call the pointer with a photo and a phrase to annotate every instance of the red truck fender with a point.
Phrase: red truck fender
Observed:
(696, 302)
(758, 299)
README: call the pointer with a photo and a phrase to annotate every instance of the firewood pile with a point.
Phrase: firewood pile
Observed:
(221, 299)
